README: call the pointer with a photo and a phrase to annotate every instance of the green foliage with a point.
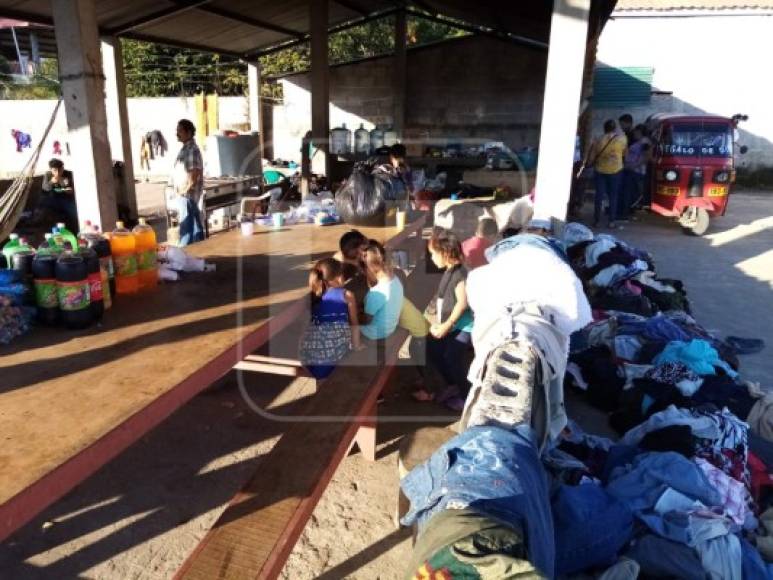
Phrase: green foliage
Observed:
(42, 85)
(155, 70)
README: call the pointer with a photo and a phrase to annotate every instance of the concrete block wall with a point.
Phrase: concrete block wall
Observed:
(472, 89)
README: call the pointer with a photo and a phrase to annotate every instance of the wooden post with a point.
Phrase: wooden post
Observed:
(256, 106)
(83, 89)
(118, 118)
(563, 89)
(320, 80)
(399, 80)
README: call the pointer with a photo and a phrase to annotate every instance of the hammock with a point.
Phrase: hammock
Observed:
(13, 200)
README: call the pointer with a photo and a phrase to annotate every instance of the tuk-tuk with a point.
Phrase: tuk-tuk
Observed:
(692, 168)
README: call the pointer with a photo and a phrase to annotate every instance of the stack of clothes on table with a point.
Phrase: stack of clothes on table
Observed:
(684, 493)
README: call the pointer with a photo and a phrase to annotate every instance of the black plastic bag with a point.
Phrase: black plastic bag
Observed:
(371, 195)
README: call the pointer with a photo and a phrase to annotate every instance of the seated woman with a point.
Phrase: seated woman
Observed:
(450, 336)
(384, 300)
(333, 330)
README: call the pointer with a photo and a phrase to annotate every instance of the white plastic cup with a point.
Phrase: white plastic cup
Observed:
(400, 219)
(248, 228)
(279, 220)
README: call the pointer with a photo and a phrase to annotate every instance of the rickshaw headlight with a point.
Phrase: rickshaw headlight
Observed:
(722, 176)
(671, 175)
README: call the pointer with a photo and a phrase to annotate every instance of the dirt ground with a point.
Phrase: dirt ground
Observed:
(141, 515)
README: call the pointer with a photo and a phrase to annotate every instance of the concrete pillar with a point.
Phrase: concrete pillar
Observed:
(118, 129)
(83, 91)
(256, 106)
(320, 81)
(563, 88)
(400, 68)
(35, 50)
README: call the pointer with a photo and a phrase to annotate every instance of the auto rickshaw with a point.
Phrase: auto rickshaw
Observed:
(692, 168)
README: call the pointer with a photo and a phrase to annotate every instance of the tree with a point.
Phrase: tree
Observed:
(43, 84)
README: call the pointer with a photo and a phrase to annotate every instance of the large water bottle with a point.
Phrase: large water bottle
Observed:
(44, 274)
(10, 247)
(94, 275)
(147, 260)
(124, 250)
(101, 245)
(73, 292)
(362, 140)
(68, 236)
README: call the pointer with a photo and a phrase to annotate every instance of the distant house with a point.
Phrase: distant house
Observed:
(680, 56)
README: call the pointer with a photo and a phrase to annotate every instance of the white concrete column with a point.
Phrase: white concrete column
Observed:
(320, 80)
(400, 71)
(83, 91)
(256, 105)
(118, 129)
(563, 89)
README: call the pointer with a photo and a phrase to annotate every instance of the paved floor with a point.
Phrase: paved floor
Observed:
(728, 273)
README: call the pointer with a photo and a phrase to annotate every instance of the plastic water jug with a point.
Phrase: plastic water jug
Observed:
(362, 140)
(340, 140)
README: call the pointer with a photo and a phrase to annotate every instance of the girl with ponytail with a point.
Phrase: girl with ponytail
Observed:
(333, 329)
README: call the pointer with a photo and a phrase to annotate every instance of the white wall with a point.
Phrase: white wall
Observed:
(293, 118)
(145, 114)
(715, 64)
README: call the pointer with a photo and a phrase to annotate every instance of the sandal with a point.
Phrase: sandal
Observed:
(455, 404)
(422, 396)
(447, 393)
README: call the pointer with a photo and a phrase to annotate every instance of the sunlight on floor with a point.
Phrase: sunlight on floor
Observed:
(740, 232)
(759, 267)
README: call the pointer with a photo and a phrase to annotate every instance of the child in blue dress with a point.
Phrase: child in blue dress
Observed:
(333, 330)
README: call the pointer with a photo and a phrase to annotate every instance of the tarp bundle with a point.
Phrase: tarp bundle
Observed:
(371, 195)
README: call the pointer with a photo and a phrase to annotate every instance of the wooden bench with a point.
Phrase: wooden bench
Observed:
(256, 533)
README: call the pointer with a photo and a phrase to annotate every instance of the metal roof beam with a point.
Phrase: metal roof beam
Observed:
(25, 16)
(501, 34)
(258, 52)
(349, 5)
(178, 7)
(180, 44)
(257, 23)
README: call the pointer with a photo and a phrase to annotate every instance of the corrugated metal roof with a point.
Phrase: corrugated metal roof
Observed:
(247, 27)
(673, 5)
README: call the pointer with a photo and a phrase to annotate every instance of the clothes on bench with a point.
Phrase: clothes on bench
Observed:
(495, 472)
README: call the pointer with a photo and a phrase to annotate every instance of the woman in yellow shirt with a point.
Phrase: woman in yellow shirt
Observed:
(607, 153)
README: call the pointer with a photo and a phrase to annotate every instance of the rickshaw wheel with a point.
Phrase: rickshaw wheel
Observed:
(694, 221)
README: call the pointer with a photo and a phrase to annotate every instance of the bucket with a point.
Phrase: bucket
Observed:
(400, 219)
(248, 228)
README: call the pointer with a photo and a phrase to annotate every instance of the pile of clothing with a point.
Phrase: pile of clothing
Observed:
(522, 490)
(688, 467)
(617, 276)
(15, 320)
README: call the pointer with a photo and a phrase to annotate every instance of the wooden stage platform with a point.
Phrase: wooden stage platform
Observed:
(71, 401)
